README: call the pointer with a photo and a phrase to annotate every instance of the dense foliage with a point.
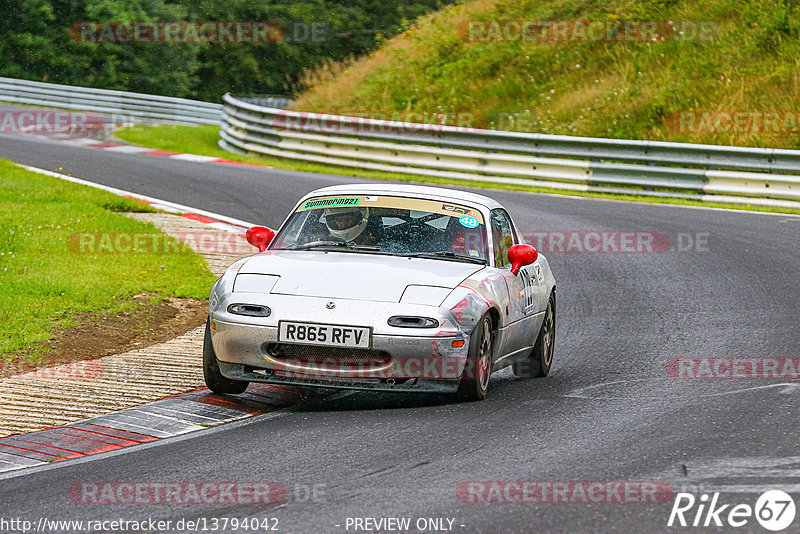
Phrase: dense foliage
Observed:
(36, 43)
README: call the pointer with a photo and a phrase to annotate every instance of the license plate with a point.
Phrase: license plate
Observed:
(325, 334)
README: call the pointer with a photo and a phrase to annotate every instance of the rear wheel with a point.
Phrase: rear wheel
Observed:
(214, 379)
(538, 363)
(475, 378)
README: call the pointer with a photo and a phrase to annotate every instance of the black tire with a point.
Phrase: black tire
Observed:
(475, 377)
(540, 359)
(213, 377)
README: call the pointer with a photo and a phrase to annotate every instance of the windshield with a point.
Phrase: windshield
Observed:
(399, 226)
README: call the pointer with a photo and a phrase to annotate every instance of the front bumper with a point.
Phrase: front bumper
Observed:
(407, 363)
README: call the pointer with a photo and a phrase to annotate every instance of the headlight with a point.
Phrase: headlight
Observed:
(254, 283)
(425, 295)
(251, 310)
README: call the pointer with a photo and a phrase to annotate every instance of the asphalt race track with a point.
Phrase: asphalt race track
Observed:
(608, 412)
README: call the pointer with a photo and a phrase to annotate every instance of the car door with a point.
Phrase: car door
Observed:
(536, 291)
(525, 289)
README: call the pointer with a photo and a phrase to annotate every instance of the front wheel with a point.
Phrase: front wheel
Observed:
(213, 377)
(538, 363)
(475, 378)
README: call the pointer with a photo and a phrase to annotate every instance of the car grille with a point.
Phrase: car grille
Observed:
(327, 358)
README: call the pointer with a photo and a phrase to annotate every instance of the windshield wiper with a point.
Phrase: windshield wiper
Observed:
(336, 244)
(444, 254)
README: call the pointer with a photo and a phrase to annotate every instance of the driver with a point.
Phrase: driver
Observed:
(348, 224)
(467, 243)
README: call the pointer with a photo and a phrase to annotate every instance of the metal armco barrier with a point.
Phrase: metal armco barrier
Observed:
(261, 125)
(119, 106)
(653, 168)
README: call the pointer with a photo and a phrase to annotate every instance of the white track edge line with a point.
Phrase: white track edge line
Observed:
(181, 207)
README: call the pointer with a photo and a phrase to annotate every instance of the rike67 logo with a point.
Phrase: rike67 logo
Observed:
(774, 510)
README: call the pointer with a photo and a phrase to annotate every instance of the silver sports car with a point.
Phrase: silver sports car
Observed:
(386, 288)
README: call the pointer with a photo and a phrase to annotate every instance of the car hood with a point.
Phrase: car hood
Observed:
(350, 275)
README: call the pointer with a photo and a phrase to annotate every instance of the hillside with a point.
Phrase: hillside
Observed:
(718, 71)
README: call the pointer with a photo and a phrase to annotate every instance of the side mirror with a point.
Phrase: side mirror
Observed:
(520, 256)
(259, 237)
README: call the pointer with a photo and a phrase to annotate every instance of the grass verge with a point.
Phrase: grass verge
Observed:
(704, 62)
(45, 282)
(202, 140)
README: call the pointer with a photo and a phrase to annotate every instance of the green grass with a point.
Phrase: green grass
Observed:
(202, 140)
(44, 282)
(183, 139)
(746, 62)
(19, 105)
(36, 106)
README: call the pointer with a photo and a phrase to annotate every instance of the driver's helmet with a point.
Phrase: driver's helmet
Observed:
(346, 223)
